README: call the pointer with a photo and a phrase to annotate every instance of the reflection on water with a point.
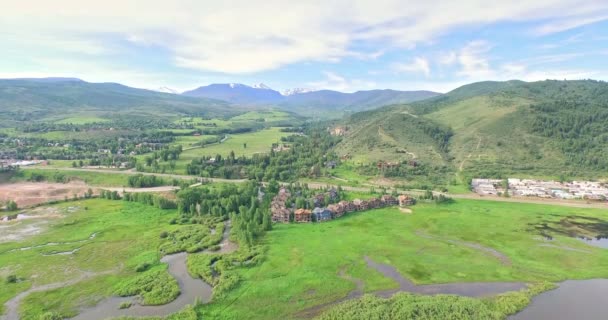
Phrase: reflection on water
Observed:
(580, 299)
(596, 242)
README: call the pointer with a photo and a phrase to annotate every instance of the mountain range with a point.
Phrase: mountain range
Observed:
(306, 101)
(36, 99)
(542, 127)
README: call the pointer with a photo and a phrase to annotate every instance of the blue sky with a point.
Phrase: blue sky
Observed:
(341, 45)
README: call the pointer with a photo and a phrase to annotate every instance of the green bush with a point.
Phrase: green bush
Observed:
(408, 306)
(11, 279)
(51, 316)
(449, 307)
(155, 287)
(142, 267)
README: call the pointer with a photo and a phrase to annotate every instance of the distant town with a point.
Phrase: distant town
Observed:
(588, 190)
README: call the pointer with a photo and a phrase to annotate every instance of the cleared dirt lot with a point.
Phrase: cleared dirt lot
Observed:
(28, 194)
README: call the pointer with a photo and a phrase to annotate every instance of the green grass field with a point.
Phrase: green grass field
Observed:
(85, 119)
(267, 116)
(98, 179)
(126, 235)
(66, 136)
(190, 141)
(257, 142)
(259, 116)
(302, 262)
(201, 123)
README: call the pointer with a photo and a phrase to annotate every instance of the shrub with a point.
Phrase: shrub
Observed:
(155, 287)
(51, 316)
(11, 279)
(142, 267)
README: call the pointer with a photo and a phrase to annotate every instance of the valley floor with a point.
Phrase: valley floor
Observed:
(113, 174)
(95, 245)
(468, 241)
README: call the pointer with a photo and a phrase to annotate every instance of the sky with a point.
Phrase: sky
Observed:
(329, 44)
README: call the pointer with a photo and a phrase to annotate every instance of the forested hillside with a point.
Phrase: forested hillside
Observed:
(35, 99)
(492, 129)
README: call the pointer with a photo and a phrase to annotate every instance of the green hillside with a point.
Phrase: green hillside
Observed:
(549, 128)
(35, 99)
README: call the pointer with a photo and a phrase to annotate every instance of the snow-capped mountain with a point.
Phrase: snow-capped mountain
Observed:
(304, 99)
(290, 92)
(261, 86)
(238, 93)
(166, 90)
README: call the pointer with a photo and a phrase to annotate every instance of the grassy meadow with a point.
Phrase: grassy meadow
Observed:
(302, 264)
(256, 142)
(126, 235)
(98, 179)
(258, 116)
(307, 265)
(266, 116)
(82, 119)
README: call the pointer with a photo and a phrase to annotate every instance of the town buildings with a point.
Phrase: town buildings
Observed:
(302, 215)
(284, 211)
(589, 190)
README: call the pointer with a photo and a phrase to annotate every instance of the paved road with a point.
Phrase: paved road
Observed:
(472, 196)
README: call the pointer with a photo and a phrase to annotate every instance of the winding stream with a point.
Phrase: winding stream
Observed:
(190, 290)
(49, 244)
(12, 305)
(469, 289)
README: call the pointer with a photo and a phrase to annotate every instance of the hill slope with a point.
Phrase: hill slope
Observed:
(328, 100)
(35, 99)
(493, 128)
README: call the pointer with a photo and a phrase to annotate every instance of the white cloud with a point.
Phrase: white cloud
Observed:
(472, 60)
(473, 64)
(567, 24)
(418, 65)
(334, 81)
(448, 58)
(251, 36)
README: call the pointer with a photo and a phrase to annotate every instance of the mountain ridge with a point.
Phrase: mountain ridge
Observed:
(306, 101)
(490, 129)
(26, 99)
